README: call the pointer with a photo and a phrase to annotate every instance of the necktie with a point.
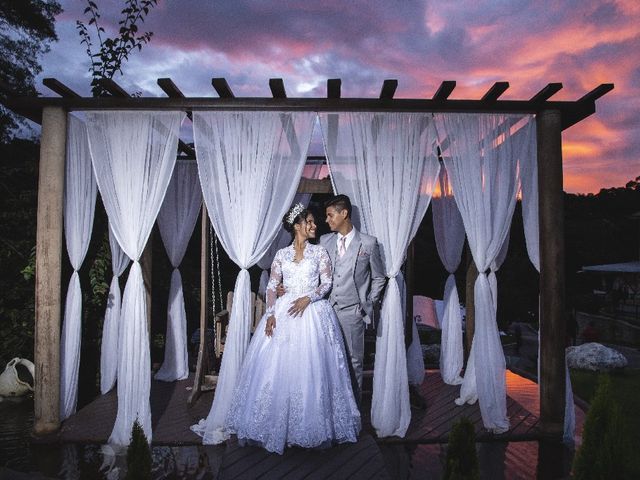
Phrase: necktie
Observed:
(342, 247)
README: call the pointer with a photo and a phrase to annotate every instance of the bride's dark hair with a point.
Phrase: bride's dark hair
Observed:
(296, 214)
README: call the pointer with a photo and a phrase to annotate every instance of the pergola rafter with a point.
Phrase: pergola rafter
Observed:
(552, 117)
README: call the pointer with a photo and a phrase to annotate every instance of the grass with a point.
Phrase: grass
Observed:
(625, 389)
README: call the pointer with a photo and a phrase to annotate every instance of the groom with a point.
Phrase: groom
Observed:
(358, 278)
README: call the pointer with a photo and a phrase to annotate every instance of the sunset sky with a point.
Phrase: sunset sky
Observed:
(580, 43)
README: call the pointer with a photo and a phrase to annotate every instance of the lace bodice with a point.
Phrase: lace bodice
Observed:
(311, 276)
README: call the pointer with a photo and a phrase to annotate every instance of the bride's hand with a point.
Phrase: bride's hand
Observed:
(299, 306)
(271, 324)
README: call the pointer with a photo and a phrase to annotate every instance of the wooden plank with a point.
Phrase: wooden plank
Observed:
(222, 87)
(343, 453)
(277, 88)
(444, 91)
(60, 88)
(48, 301)
(388, 89)
(495, 91)
(546, 93)
(334, 86)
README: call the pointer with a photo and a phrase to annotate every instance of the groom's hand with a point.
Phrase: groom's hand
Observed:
(299, 306)
(280, 290)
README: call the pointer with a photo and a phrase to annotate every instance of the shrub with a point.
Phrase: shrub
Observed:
(138, 455)
(604, 451)
(462, 458)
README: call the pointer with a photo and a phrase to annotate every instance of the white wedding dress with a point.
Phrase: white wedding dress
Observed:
(294, 387)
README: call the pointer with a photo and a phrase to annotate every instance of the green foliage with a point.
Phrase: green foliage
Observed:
(26, 30)
(18, 181)
(605, 450)
(138, 455)
(113, 51)
(98, 272)
(462, 458)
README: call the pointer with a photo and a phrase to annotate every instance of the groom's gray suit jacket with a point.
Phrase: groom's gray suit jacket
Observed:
(358, 277)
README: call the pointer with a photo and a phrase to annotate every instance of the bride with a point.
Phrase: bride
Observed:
(294, 387)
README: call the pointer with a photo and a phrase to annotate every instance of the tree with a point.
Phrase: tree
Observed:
(113, 51)
(26, 31)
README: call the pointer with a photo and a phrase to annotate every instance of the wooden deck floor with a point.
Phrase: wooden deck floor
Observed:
(171, 418)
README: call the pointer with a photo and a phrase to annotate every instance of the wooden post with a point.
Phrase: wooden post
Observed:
(470, 317)
(48, 302)
(552, 320)
(203, 350)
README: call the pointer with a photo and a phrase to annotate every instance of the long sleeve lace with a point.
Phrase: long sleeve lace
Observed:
(326, 276)
(274, 280)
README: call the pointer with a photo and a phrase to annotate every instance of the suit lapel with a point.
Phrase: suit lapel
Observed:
(356, 244)
(332, 248)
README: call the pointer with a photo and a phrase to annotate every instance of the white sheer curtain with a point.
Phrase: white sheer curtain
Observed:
(133, 154)
(529, 185)
(386, 164)
(249, 165)
(79, 207)
(111, 324)
(482, 163)
(176, 221)
(449, 234)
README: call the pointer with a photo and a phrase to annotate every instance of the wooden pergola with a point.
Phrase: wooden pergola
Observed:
(552, 117)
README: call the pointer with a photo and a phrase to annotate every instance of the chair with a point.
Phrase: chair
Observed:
(258, 308)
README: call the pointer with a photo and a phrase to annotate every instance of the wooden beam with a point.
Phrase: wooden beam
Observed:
(113, 88)
(334, 86)
(546, 93)
(277, 88)
(48, 301)
(596, 93)
(495, 91)
(552, 261)
(310, 185)
(59, 88)
(222, 87)
(170, 88)
(389, 88)
(30, 107)
(444, 90)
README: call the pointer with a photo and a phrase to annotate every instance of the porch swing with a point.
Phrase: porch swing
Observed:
(203, 380)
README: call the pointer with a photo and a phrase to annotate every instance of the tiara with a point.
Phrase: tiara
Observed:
(296, 210)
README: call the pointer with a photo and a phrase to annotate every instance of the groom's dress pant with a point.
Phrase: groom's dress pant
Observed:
(352, 324)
